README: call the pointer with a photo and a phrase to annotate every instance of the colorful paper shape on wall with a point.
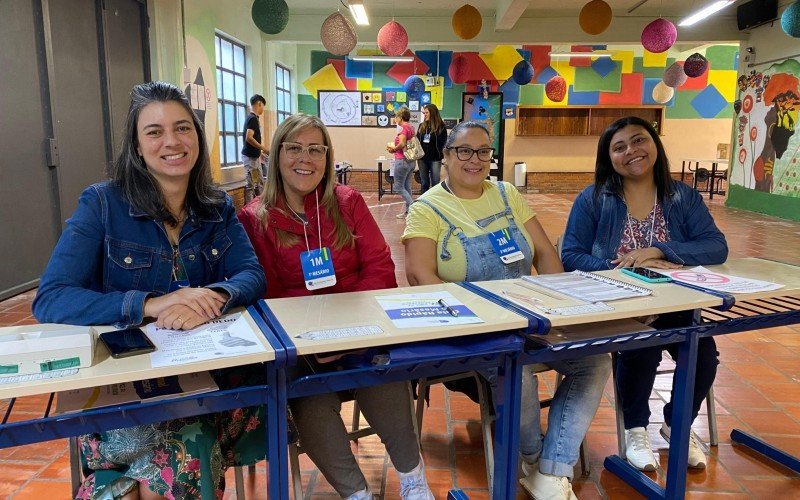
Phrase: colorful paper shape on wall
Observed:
(501, 61)
(654, 59)
(698, 83)
(587, 79)
(709, 102)
(723, 56)
(327, 78)
(319, 59)
(630, 91)
(357, 69)
(532, 95)
(582, 98)
(477, 69)
(540, 58)
(510, 90)
(604, 65)
(724, 81)
(626, 58)
(349, 83)
(438, 62)
(400, 71)
(580, 62)
(545, 75)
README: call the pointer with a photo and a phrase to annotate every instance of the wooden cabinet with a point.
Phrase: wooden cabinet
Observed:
(580, 120)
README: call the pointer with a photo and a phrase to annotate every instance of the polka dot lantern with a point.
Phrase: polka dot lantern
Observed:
(271, 16)
(467, 22)
(662, 93)
(556, 89)
(790, 20)
(338, 35)
(522, 73)
(392, 39)
(595, 17)
(695, 65)
(659, 35)
(459, 69)
(414, 84)
(674, 76)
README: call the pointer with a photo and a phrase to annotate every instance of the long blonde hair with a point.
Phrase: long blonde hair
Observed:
(274, 191)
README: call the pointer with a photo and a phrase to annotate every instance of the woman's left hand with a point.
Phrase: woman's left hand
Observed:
(180, 317)
(636, 258)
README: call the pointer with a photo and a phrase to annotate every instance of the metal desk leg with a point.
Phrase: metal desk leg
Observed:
(506, 450)
(380, 180)
(683, 169)
(766, 449)
(711, 181)
(277, 435)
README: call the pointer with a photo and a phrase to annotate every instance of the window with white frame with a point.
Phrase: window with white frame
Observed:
(283, 92)
(232, 98)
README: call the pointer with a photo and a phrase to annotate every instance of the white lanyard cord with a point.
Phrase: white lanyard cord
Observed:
(481, 229)
(305, 223)
(652, 225)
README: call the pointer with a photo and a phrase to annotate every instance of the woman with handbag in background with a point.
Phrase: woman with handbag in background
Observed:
(432, 135)
(403, 168)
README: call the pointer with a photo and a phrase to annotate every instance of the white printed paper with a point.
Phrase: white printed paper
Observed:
(412, 310)
(702, 277)
(226, 336)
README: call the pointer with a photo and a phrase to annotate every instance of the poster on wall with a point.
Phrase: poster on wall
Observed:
(487, 108)
(766, 151)
(340, 109)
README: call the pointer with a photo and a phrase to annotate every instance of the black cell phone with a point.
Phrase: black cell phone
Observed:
(128, 342)
(645, 274)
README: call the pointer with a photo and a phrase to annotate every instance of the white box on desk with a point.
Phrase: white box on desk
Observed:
(43, 348)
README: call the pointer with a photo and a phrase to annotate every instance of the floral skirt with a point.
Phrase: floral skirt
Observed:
(178, 459)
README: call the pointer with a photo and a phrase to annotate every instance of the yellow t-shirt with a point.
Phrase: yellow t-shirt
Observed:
(423, 222)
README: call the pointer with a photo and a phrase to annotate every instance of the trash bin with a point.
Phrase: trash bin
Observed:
(520, 174)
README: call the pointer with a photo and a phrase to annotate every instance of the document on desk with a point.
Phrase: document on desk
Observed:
(588, 287)
(229, 335)
(702, 277)
(412, 310)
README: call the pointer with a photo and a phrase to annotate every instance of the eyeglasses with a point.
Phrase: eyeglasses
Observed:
(294, 150)
(464, 154)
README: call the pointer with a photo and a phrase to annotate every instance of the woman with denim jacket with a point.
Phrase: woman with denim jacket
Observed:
(636, 215)
(158, 241)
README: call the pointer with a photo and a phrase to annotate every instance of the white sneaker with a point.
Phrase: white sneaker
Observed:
(546, 487)
(413, 485)
(529, 467)
(697, 458)
(361, 495)
(637, 449)
(402, 215)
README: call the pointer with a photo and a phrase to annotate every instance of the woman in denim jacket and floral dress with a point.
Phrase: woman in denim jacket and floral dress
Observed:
(158, 241)
(636, 215)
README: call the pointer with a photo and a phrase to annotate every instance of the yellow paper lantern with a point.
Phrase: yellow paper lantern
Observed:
(595, 17)
(467, 22)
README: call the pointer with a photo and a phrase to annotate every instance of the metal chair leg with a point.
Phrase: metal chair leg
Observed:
(618, 409)
(294, 464)
(356, 417)
(239, 479)
(423, 389)
(712, 417)
(74, 465)
(486, 431)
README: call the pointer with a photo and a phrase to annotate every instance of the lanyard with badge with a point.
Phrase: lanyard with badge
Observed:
(317, 264)
(503, 244)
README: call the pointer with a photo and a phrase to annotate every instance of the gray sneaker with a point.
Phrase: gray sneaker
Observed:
(413, 485)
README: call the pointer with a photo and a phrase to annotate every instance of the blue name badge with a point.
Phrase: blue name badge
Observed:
(426, 138)
(505, 246)
(318, 269)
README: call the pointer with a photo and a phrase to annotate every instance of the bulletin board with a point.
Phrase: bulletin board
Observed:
(338, 108)
(488, 110)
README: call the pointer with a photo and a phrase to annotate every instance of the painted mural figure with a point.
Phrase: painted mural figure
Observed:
(781, 90)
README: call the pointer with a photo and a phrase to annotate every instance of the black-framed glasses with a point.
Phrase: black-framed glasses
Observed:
(294, 150)
(464, 153)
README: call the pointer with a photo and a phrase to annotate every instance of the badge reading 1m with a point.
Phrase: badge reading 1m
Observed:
(318, 269)
(505, 246)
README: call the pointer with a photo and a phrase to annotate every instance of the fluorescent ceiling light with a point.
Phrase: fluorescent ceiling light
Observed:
(579, 54)
(359, 12)
(705, 12)
(382, 58)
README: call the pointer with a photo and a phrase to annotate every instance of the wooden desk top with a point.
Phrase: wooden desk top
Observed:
(764, 270)
(107, 370)
(341, 310)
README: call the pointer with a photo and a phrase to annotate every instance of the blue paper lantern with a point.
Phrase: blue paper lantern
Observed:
(522, 73)
(790, 20)
(414, 84)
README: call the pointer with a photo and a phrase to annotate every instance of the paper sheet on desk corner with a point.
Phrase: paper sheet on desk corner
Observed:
(227, 336)
(702, 277)
(411, 310)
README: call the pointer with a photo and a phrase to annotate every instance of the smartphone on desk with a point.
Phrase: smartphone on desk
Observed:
(646, 275)
(128, 342)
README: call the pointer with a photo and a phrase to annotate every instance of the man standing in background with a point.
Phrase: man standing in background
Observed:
(253, 148)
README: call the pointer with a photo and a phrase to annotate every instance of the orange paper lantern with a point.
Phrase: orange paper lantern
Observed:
(467, 22)
(595, 17)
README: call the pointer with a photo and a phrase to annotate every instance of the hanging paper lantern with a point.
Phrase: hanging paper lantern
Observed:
(659, 35)
(467, 22)
(414, 84)
(338, 35)
(662, 93)
(392, 39)
(790, 20)
(674, 76)
(556, 88)
(595, 17)
(459, 69)
(695, 65)
(271, 16)
(522, 73)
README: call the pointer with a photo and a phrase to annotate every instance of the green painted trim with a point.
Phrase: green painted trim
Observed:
(785, 207)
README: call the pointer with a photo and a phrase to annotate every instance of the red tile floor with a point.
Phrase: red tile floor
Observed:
(757, 389)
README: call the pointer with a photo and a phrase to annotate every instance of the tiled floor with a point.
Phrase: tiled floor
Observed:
(757, 389)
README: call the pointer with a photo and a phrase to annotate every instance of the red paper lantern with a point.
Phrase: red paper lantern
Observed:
(659, 35)
(459, 69)
(556, 89)
(392, 39)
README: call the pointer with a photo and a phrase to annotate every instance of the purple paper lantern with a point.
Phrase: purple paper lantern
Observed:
(414, 84)
(393, 39)
(695, 65)
(674, 76)
(659, 35)
(522, 73)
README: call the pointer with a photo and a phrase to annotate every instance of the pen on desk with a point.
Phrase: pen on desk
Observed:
(450, 310)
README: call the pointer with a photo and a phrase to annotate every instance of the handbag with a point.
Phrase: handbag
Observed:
(413, 150)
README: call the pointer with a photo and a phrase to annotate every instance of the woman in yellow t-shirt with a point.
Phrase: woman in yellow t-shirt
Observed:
(470, 229)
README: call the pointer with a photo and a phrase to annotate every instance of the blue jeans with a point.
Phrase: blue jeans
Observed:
(429, 173)
(571, 412)
(403, 170)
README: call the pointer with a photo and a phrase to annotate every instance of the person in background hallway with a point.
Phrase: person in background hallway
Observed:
(158, 242)
(253, 149)
(432, 134)
(403, 169)
(635, 215)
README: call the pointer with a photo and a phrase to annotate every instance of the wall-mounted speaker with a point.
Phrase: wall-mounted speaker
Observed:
(755, 13)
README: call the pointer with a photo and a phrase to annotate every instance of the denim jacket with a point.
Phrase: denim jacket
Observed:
(111, 257)
(595, 227)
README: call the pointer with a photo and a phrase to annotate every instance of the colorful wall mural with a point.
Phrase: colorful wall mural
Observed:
(767, 145)
(626, 78)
